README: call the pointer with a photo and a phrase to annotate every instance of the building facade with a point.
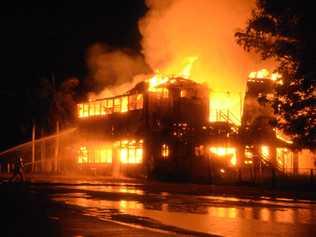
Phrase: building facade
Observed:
(146, 131)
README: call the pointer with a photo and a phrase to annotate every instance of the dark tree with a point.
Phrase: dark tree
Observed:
(53, 102)
(285, 31)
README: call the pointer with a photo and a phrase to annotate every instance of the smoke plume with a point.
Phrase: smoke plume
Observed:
(113, 70)
(173, 30)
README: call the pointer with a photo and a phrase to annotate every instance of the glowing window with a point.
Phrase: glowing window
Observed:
(131, 155)
(132, 102)
(106, 155)
(124, 104)
(165, 93)
(85, 110)
(131, 152)
(80, 110)
(124, 155)
(183, 93)
(199, 150)
(117, 105)
(83, 155)
(139, 101)
(265, 151)
(109, 106)
(91, 109)
(103, 107)
(97, 108)
(139, 155)
(162, 92)
(165, 151)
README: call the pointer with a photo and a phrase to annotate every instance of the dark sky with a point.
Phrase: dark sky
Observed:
(47, 38)
(38, 40)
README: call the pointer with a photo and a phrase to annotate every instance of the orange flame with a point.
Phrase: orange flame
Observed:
(264, 74)
(156, 80)
(160, 78)
(226, 151)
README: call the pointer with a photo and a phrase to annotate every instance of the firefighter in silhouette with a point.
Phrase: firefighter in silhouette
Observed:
(18, 169)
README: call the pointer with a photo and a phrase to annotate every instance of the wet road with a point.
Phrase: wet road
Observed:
(139, 206)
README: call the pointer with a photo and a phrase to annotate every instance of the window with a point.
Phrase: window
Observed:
(85, 110)
(139, 101)
(165, 93)
(97, 107)
(183, 93)
(106, 155)
(139, 155)
(103, 107)
(165, 151)
(124, 104)
(132, 102)
(199, 150)
(265, 152)
(131, 152)
(91, 109)
(109, 106)
(117, 105)
(80, 110)
(162, 92)
(83, 155)
(124, 155)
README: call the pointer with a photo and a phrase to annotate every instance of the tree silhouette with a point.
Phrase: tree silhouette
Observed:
(53, 103)
(284, 30)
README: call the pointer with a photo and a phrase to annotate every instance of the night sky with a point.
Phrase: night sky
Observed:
(41, 40)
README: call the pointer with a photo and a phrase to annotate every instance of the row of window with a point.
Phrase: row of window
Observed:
(112, 105)
(129, 152)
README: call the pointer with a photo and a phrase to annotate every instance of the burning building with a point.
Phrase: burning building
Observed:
(161, 127)
(263, 144)
(146, 131)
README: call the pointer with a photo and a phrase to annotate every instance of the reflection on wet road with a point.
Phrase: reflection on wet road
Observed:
(226, 216)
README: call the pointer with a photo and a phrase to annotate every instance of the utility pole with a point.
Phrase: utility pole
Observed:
(56, 147)
(240, 105)
(43, 152)
(33, 147)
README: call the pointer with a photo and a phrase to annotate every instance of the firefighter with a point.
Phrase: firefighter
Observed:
(18, 169)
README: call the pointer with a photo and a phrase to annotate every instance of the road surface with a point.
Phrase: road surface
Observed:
(174, 210)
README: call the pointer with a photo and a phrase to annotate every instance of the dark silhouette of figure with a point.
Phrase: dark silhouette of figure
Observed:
(18, 170)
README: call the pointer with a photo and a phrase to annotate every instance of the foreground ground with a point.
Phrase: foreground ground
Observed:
(60, 206)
